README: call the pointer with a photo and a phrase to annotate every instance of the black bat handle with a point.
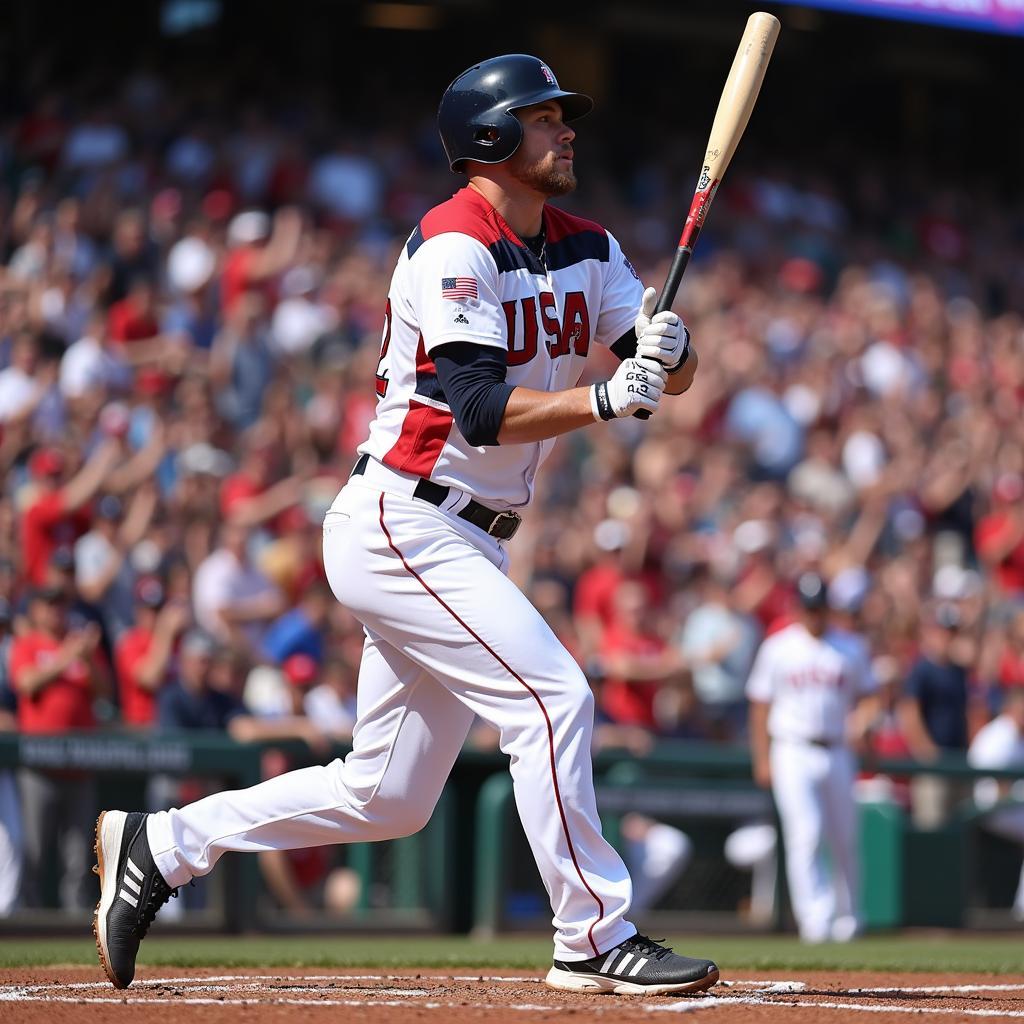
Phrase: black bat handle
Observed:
(668, 295)
(674, 279)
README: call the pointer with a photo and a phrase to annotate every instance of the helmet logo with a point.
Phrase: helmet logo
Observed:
(548, 76)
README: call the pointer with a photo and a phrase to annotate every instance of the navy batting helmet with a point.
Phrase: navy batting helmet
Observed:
(476, 118)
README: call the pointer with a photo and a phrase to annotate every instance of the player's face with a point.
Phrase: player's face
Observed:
(543, 160)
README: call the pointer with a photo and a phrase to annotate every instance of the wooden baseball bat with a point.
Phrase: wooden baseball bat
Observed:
(734, 107)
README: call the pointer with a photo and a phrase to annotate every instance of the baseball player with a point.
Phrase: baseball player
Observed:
(495, 304)
(1000, 744)
(811, 697)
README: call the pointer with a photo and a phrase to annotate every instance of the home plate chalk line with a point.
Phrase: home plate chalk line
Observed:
(735, 992)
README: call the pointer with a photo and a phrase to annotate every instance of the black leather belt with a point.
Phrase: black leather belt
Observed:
(502, 525)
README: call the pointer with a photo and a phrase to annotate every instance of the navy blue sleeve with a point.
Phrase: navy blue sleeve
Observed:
(625, 347)
(473, 380)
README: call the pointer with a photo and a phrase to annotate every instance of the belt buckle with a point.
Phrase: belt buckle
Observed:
(511, 517)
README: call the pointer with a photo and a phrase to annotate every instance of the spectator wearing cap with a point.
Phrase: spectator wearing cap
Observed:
(203, 696)
(191, 264)
(189, 701)
(56, 513)
(298, 319)
(233, 600)
(258, 250)
(60, 579)
(56, 676)
(999, 537)
(103, 571)
(933, 709)
(144, 655)
(617, 555)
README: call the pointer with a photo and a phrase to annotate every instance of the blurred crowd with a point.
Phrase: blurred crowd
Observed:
(191, 302)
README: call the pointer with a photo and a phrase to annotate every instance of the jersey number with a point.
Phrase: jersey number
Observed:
(382, 373)
(572, 333)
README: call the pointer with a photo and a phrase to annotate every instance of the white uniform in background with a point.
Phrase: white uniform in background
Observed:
(812, 683)
(1000, 745)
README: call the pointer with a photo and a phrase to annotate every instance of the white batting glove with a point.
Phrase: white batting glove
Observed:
(661, 336)
(637, 384)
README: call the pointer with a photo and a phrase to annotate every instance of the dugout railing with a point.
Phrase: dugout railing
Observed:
(403, 885)
(471, 868)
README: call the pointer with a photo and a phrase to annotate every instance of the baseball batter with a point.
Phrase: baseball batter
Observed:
(494, 307)
(811, 691)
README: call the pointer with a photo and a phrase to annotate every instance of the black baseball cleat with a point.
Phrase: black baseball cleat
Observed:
(132, 890)
(638, 966)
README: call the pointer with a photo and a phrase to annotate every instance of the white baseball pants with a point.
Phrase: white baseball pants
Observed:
(1008, 822)
(813, 790)
(449, 636)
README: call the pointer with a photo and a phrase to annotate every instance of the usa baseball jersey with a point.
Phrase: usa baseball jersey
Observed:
(811, 683)
(465, 276)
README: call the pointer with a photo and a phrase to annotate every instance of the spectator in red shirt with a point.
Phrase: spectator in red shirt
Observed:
(999, 538)
(620, 552)
(646, 682)
(134, 317)
(144, 656)
(55, 516)
(257, 253)
(55, 676)
(252, 496)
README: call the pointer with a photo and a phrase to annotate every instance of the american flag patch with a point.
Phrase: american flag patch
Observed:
(458, 288)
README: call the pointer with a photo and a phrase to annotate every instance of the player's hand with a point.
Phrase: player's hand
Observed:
(637, 384)
(661, 336)
(763, 773)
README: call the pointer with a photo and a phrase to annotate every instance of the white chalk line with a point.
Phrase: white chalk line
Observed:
(933, 988)
(188, 1001)
(717, 1002)
(764, 993)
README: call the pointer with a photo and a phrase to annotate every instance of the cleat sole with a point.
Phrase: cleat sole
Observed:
(609, 985)
(107, 849)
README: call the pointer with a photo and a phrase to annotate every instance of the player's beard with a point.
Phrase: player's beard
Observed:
(543, 176)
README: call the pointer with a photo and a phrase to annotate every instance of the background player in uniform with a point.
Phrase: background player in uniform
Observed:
(494, 306)
(811, 696)
(1000, 744)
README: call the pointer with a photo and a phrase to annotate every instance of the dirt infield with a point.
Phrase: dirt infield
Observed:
(62, 995)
